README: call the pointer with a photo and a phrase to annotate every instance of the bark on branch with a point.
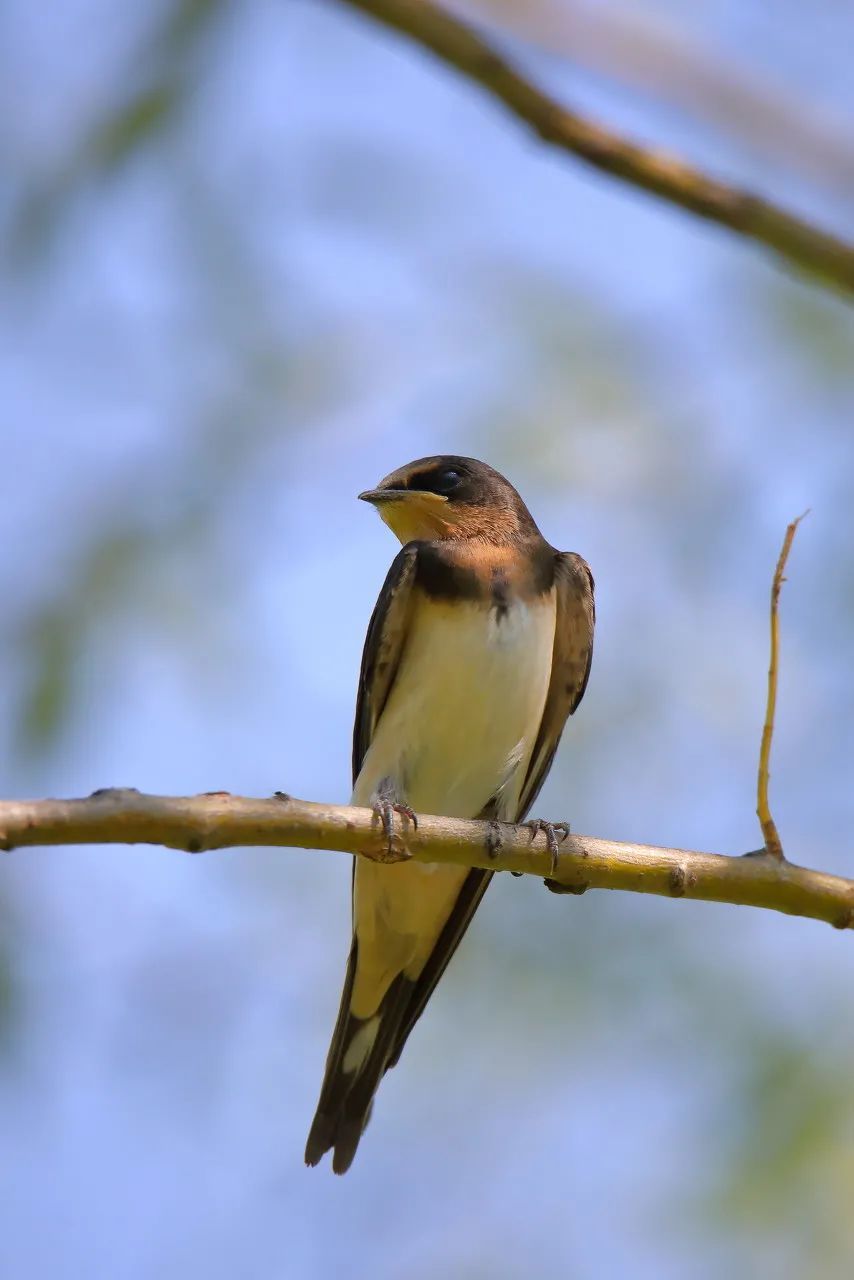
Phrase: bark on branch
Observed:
(219, 820)
(799, 242)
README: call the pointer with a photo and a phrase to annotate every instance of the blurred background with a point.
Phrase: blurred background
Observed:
(254, 257)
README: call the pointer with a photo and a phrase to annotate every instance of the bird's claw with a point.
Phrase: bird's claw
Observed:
(551, 829)
(384, 811)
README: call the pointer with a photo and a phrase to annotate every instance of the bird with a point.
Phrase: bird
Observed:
(478, 649)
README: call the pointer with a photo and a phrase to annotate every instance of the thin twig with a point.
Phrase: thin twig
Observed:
(219, 820)
(763, 809)
(800, 243)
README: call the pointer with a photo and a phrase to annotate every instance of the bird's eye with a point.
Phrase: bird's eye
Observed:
(446, 481)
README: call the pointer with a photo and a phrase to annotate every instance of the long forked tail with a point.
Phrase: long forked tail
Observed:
(358, 1057)
(363, 1049)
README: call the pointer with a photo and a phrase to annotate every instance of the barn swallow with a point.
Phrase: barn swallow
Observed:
(478, 649)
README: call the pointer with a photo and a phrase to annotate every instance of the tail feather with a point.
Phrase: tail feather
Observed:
(358, 1057)
(474, 887)
(363, 1049)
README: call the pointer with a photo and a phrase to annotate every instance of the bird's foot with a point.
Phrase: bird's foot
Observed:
(551, 829)
(384, 811)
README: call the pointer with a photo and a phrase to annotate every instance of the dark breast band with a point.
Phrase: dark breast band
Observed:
(494, 575)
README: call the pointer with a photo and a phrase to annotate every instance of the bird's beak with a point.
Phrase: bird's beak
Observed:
(378, 496)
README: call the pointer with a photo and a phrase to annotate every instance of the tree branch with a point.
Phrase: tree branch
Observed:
(770, 834)
(800, 243)
(629, 45)
(219, 820)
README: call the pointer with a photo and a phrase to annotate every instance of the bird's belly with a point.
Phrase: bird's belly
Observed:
(465, 709)
(457, 731)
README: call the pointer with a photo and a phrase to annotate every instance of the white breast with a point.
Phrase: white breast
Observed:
(465, 708)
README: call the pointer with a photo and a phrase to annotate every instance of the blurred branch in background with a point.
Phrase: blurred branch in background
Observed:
(638, 50)
(802, 244)
(219, 820)
(159, 79)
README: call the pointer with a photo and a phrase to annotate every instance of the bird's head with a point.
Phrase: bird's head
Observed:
(449, 497)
